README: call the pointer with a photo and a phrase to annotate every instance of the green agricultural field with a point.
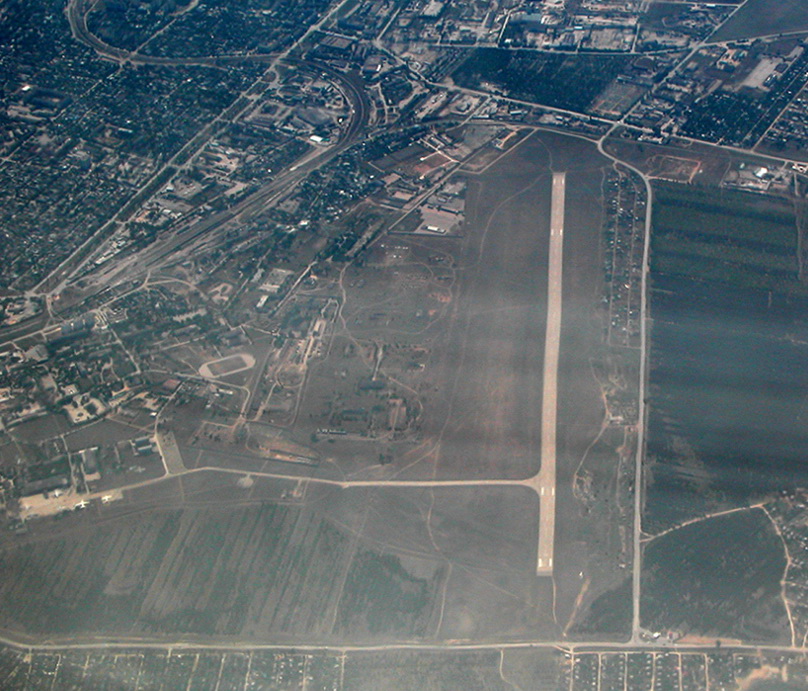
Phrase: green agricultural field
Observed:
(191, 571)
(728, 300)
(229, 561)
(764, 18)
(736, 238)
(718, 577)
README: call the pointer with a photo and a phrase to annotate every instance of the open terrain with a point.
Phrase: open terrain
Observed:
(764, 18)
(726, 430)
(329, 339)
(277, 560)
(422, 364)
(455, 327)
(727, 389)
(717, 578)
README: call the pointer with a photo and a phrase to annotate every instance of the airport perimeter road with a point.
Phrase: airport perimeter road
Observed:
(639, 481)
(549, 405)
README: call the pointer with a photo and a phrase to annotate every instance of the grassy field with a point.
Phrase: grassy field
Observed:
(763, 18)
(454, 327)
(178, 571)
(727, 339)
(248, 561)
(588, 524)
(486, 414)
(459, 326)
(474, 357)
(718, 578)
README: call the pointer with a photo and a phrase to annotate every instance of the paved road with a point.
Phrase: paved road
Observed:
(549, 405)
(198, 643)
(636, 630)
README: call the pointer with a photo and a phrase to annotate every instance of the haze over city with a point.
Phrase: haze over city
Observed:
(403, 345)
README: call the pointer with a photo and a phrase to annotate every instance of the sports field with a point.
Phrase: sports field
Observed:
(225, 366)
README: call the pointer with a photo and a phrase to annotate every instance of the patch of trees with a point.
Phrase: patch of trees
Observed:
(562, 81)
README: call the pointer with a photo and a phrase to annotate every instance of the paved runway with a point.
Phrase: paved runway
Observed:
(549, 406)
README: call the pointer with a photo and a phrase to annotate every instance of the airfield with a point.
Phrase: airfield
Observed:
(438, 401)
(409, 469)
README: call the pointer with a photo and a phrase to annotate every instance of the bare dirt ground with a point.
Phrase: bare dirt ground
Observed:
(484, 417)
